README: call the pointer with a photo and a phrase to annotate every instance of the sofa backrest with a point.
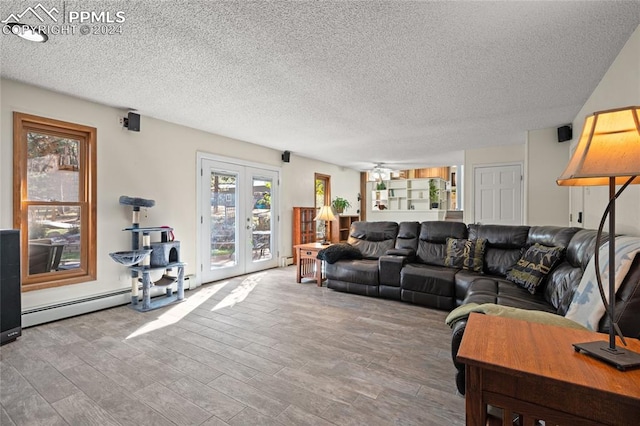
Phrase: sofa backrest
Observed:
(551, 236)
(373, 239)
(563, 280)
(432, 244)
(408, 233)
(505, 245)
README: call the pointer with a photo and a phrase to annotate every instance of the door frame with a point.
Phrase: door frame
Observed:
(201, 155)
(523, 187)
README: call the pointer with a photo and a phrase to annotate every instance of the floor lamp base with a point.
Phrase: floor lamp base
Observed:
(621, 358)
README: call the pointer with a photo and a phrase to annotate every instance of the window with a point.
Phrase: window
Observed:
(322, 185)
(54, 202)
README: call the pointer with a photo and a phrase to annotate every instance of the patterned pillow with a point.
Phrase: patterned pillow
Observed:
(465, 254)
(335, 252)
(534, 265)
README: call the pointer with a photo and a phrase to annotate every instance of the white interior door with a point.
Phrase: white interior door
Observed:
(498, 194)
(238, 219)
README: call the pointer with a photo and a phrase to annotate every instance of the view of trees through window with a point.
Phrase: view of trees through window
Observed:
(54, 184)
(53, 166)
(223, 218)
(322, 198)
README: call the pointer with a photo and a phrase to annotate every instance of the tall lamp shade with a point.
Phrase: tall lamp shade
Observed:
(608, 153)
(609, 146)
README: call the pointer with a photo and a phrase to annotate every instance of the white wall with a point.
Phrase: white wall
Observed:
(299, 190)
(159, 163)
(619, 87)
(546, 159)
(496, 155)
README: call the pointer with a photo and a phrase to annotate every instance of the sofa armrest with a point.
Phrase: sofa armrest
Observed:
(409, 253)
(389, 267)
(458, 328)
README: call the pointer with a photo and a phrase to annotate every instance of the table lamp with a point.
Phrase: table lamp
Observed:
(325, 215)
(608, 152)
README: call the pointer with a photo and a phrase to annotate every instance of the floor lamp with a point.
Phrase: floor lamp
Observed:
(608, 153)
(325, 215)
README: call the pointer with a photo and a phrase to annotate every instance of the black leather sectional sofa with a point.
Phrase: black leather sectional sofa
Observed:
(406, 261)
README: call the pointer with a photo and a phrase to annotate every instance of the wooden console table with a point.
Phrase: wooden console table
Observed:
(309, 266)
(533, 370)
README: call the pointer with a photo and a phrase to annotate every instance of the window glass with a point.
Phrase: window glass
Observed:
(53, 165)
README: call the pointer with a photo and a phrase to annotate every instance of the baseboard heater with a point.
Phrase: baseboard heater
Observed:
(72, 308)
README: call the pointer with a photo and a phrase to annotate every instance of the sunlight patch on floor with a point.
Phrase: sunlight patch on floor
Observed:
(241, 292)
(180, 310)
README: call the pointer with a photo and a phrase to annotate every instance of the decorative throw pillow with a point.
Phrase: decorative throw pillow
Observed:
(534, 265)
(335, 252)
(465, 254)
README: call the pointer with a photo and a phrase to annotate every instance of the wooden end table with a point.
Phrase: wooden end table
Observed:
(533, 370)
(309, 266)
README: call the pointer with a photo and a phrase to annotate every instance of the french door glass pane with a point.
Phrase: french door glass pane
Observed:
(261, 219)
(223, 219)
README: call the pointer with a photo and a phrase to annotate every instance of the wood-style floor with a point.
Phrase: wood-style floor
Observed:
(254, 350)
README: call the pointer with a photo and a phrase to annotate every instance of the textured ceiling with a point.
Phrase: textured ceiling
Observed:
(352, 82)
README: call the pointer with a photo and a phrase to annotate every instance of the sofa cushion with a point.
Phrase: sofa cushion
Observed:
(551, 236)
(564, 279)
(534, 265)
(505, 245)
(582, 246)
(503, 292)
(373, 239)
(430, 279)
(336, 252)
(408, 233)
(432, 242)
(465, 254)
(362, 271)
(463, 280)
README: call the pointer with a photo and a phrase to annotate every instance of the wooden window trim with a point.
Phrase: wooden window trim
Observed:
(327, 189)
(87, 199)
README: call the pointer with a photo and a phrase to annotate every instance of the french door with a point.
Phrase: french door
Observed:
(238, 219)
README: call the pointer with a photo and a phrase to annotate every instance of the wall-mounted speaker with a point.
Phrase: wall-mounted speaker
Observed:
(286, 156)
(565, 133)
(132, 122)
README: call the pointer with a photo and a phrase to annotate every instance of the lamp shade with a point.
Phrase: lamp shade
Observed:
(609, 146)
(325, 214)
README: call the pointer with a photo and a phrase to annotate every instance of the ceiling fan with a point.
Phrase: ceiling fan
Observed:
(380, 173)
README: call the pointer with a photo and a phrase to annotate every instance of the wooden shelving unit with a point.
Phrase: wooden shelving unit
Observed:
(410, 194)
(340, 228)
(304, 227)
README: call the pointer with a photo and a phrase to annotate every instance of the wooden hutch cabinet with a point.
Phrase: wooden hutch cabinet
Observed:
(304, 227)
(340, 227)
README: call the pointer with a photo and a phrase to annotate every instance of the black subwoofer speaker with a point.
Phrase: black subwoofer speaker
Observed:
(10, 302)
